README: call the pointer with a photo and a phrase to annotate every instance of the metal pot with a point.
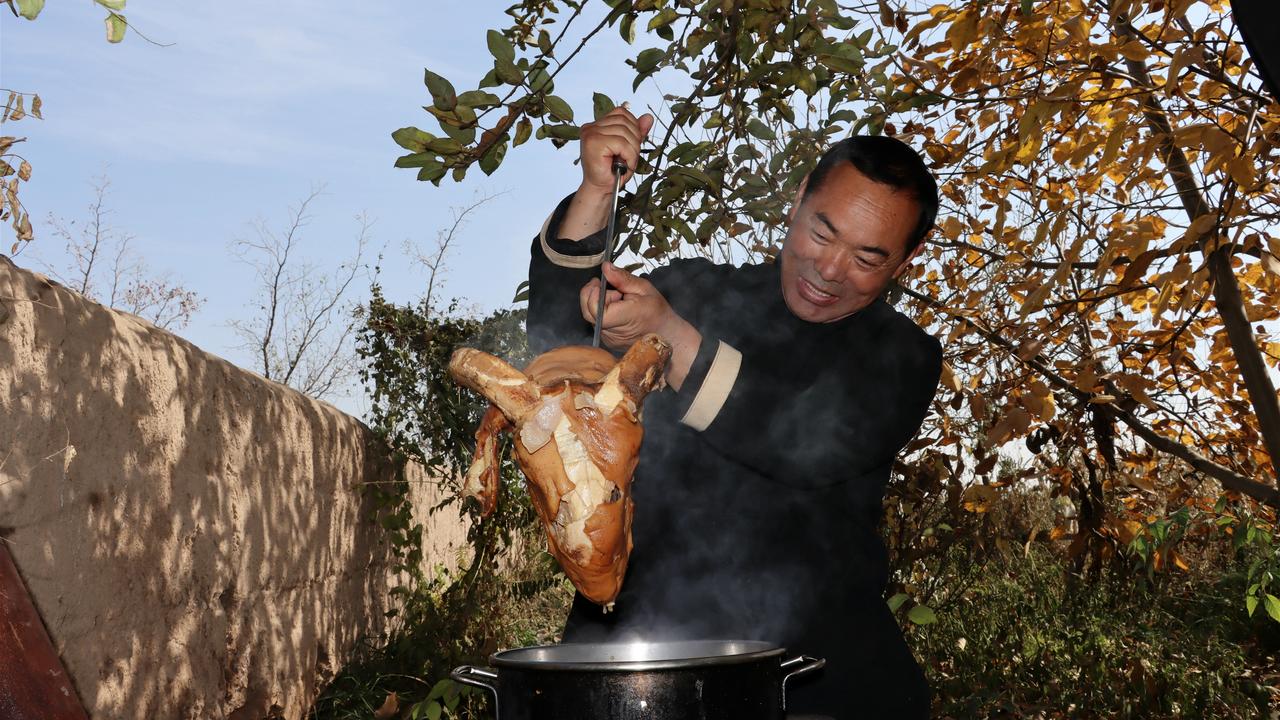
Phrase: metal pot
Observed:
(699, 680)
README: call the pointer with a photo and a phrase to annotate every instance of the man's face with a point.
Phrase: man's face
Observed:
(846, 243)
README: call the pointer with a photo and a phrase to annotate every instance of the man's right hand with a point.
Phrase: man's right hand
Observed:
(617, 134)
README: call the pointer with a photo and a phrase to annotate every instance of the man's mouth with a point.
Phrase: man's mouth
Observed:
(813, 295)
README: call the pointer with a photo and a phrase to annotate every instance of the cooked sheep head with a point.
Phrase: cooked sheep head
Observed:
(576, 414)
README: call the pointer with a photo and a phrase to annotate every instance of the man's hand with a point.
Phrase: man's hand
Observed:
(634, 308)
(617, 134)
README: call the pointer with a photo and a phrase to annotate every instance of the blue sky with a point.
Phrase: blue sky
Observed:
(252, 106)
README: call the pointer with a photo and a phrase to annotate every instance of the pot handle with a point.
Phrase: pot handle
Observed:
(476, 677)
(797, 666)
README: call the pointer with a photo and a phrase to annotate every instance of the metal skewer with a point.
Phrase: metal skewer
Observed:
(619, 169)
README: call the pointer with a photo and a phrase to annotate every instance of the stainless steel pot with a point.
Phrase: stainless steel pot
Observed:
(699, 680)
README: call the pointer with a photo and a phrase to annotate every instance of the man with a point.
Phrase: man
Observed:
(793, 386)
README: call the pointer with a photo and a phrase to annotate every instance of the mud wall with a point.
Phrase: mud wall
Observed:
(193, 535)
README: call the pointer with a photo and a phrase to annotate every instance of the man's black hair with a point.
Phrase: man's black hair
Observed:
(891, 162)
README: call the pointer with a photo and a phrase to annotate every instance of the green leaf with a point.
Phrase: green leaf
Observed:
(29, 9)
(431, 173)
(1251, 604)
(111, 4)
(492, 157)
(839, 64)
(115, 28)
(664, 18)
(559, 109)
(544, 42)
(922, 615)
(627, 29)
(442, 92)
(478, 99)
(647, 60)
(562, 132)
(896, 602)
(522, 292)
(760, 130)
(416, 160)
(490, 79)
(540, 81)
(524, 129)
(465, 136)
(507, 72)
(1273, 607)
(433, 710)
(439, 688)
(601, 105)
(412, 139)
(500, 47)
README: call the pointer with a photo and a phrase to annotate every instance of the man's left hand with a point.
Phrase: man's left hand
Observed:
(634, 308)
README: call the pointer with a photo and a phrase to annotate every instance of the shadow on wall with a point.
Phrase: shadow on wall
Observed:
(193, 535)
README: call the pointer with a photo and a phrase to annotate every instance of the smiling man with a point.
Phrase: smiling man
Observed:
(761, 477)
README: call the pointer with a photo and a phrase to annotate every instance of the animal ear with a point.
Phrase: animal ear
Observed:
(494, 378)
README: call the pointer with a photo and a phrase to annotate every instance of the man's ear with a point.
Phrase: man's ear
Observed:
(795, 202)
(906, 263)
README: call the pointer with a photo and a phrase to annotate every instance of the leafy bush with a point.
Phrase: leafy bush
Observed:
(510, 592)
(1029, 640)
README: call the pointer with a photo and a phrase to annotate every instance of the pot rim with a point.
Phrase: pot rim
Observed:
(678, 655)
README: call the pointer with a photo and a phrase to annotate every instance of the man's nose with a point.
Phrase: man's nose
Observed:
(832, 264)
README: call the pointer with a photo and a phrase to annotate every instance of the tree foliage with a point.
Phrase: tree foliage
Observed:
(16, 108)
(1104, 275)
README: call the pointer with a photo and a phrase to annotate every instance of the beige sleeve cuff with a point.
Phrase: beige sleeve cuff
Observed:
(715, 389)
(569, 261)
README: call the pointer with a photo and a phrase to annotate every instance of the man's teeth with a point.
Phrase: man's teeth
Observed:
(816, 291)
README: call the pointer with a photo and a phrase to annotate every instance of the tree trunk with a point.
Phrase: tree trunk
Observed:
(1226, 292)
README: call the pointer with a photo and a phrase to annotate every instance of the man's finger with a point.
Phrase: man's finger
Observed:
(646, 124)
(587, 300)
(623, 280)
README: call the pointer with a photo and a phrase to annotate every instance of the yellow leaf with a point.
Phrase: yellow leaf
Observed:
(1030, 349)
(979, 498)
(978, 406)
(1141, 481)
(1176, 65)
(1077, 28)
(1162, 300)
(1243, 170)
(1014, 423)
(1200, 226)
(1134, 50)
(1086, 380)
(24, 170)
(389, 707)
(1271, 264)
(1126, 530)
(1112, 147)
(949, 378)
(963, 31)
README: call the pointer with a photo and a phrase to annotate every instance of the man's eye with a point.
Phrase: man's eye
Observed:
(820, 239)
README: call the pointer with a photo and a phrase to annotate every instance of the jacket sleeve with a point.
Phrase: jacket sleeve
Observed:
(818, 430)
(558, 268)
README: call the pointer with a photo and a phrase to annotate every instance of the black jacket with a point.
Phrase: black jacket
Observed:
(759, 487)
